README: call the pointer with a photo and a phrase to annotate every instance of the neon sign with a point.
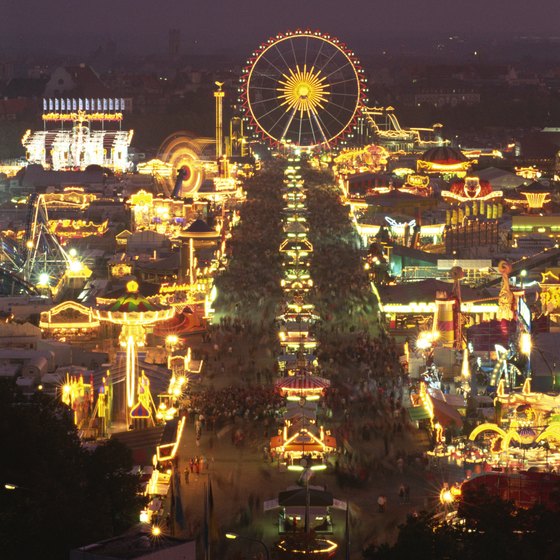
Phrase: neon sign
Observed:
(82, 116)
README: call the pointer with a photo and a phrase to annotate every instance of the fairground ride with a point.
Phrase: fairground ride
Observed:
(381, 126)
(38, 258)
(184, 169)
(304, 89)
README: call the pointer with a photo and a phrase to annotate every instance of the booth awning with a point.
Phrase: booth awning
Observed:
(302, 384)
(418, 413)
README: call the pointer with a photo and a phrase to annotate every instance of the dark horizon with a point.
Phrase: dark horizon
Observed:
(62, 27)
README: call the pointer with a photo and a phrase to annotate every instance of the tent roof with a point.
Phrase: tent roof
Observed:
(298, 498)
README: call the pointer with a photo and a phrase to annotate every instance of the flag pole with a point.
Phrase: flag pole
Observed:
(347, 531)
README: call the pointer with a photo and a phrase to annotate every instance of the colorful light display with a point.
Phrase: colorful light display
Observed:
(133, 313)
(296, 102)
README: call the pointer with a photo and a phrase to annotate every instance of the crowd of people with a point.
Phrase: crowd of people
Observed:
(343, 292)
(364, 407)
(235, 405)
(249, 287)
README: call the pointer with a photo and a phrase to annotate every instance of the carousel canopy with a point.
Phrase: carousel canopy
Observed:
(535, 188)
(303, 384)
(133, 303)
(444, 155)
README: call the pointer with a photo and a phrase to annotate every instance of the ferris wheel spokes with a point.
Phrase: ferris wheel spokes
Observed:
(303, 88)
(317, 121)
(289, 123)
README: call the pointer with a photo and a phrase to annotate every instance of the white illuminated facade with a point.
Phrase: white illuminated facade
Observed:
(78, 133)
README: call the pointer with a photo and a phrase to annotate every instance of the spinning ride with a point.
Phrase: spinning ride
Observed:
(303, 88)
(182, 171)
(134, 313)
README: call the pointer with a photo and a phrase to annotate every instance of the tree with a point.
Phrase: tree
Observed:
(486, 528)
(64, 496)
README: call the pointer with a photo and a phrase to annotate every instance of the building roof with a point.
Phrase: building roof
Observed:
(37, 177)
(298, 498)
(25, 87)
(444, 155)
(87, 81)
(416, 254)
(424, 291)
(541, 144)
(500, 179)
(199, 227)
(135, 544)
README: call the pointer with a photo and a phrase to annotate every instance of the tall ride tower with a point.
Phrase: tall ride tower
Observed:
(219, 95)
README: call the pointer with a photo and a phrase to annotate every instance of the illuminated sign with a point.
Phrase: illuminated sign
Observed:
(83, 104)
(460, 198)
(418, 181)
(396, 225)
(82, 116)
(430, 307)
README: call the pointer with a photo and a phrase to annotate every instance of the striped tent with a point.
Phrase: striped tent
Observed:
(302, 385)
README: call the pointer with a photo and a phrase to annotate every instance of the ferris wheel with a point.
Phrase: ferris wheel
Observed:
(303, 88)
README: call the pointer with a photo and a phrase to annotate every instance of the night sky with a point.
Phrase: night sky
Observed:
(64, 26)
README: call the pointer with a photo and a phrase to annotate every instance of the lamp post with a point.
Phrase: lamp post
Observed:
(235, 536)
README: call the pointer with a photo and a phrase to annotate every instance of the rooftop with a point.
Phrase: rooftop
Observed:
(135, 544)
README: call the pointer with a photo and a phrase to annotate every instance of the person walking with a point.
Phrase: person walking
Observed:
(382, 503)
(401, 493)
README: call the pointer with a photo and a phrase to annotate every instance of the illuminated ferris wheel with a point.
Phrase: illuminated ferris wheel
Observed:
(303, 88)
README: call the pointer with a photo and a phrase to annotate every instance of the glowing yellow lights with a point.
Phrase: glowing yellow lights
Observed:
(75, 266)
(156, 531)
(303, 90)
(82, 116)
(426, 339)
(525, 344)
(167, 451)
(130, 370)
(449, 494)
(132, 286)
(171, 339)
(327, 546)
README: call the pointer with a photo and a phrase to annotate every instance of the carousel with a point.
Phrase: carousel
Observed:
(134, 313)
(302, 386)
(446, 161)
